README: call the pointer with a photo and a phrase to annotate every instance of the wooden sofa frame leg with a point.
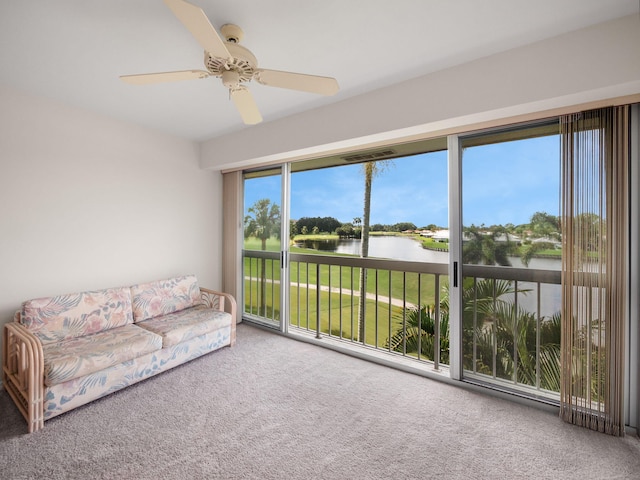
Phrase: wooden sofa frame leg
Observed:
(23, 372)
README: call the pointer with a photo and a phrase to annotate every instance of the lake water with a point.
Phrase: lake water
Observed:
(403, 248)
(397, 248)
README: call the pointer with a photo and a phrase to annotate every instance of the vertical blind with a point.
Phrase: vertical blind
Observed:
(595, 219)
(232, 235)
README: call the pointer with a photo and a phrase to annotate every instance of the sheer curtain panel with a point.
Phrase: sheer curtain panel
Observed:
(595, 219)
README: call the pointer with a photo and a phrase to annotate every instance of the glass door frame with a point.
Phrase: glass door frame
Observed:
(281, 256)
(456, 146)
(285, 217)
(455, 256)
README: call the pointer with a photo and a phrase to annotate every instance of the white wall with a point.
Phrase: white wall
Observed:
(87, 202)
(591, 64)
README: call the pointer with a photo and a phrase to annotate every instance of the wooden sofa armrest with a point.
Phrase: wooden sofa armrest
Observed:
(23, 372)
(224, 302)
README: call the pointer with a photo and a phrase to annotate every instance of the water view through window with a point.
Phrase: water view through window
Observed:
(510, 218)
(396, 211)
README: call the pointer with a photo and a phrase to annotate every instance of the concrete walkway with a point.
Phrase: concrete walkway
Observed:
(396, 302)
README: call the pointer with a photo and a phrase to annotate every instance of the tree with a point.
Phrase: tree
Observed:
(370, 170)
(492, 325)
(293, 229)
(543, 224)
(487, 248)
(345, 231)
(324, 224)
(590, 228)
(403, 226)
(263, 222)
(501, 328)
(420, 329)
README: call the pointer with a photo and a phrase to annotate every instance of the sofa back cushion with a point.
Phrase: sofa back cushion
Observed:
(161, 297)
(53, 319)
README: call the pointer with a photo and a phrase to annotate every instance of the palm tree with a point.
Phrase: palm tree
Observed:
(486, 248)
(478, 299)
(370, 170)
(263, 222)
(496, 327)
(420, 334)
(528, 251)
(508, 332)
(420, 322)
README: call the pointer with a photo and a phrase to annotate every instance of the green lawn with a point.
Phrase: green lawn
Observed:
(551, 252)
(338, 313)
(253, 243)
(431, 244)
(319, 236)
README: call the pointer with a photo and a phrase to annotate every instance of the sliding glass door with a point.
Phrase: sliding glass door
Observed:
(369, 251)
(370, 243)
(263, 247)
(447, 252)
(511, 258)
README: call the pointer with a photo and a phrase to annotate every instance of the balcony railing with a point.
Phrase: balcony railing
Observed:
(511, 327)
(326, 298)
(508, 324)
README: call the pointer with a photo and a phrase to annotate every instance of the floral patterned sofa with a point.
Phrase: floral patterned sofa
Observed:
(65, 351)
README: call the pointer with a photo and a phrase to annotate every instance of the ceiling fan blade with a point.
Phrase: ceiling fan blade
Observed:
(297, 81)
(200, 27)
(147, 78)
(246, 105)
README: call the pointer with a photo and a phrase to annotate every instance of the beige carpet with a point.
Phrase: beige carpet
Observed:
(275, 408)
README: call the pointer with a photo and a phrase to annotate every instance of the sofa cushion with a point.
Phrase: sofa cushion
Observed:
(53, 319)
(81, 356)
(186, 324)
(162, 297)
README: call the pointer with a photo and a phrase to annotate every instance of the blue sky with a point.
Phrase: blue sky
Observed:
(502, 183)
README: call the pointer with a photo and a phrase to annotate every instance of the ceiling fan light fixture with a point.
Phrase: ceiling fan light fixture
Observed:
(230, 79)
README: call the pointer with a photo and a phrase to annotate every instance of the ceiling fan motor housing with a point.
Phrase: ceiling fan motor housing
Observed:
(231, 33)
(242, 61)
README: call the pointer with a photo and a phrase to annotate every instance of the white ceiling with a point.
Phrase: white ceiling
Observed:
(74, 50)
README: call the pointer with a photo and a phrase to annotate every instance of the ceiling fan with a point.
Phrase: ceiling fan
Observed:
(234, 64)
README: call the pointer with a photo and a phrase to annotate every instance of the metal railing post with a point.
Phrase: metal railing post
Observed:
(318, 301)
(436, 324)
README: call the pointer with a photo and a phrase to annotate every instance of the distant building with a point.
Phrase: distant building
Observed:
(508, 237)
(441, 236)
(556, 244)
